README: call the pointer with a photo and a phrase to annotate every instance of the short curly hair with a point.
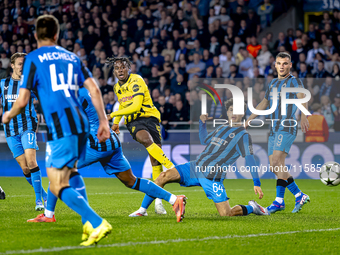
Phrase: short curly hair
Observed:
(113, 60)
(229, 103)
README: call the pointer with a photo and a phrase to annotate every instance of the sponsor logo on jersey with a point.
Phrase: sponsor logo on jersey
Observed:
(124, 99)
(135, 88)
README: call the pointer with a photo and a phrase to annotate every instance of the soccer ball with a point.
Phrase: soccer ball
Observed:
(330, 173)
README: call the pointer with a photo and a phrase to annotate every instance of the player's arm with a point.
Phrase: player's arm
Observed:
(115, 126)
(203, 133)
(245, 148)
(20, 103)
(261, 106)
(304, 121)
(96, 97)
(138, 89)
(132, 108)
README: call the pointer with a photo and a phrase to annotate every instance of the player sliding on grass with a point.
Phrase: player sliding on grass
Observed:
(55, 74)
(141, 117)
(20, 132)
(224, 146)
(281, 138)
(111, 157)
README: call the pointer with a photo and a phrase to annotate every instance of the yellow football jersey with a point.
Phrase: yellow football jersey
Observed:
(135, 86)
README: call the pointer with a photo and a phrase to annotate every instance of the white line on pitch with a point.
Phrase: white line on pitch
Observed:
(65, 248)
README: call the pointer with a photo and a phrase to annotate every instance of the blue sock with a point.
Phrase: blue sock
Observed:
(44, 194)
(51, 201)
(36, 182)
(77, 182)
(249, 209)
(280, 189)
(151, 189)
(292, 187)
(29, 178)
(147, 201)
(77, 203)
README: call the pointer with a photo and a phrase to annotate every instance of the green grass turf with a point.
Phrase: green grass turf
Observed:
(115, 202)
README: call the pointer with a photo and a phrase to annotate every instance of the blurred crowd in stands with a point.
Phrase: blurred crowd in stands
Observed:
(171, 43)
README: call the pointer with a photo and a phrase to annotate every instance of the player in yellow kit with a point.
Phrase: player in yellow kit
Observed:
(141, 117)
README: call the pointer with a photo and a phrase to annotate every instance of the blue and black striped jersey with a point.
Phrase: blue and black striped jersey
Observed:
(289, 82)
(109, 144)
(224, 146)
(27, 119)
(55, 75)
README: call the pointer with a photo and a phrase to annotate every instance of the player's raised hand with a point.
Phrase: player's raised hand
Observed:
(204, 118)
(304, 124)
(103, 132)
(258, 191)
(115, 128)
(5, 118)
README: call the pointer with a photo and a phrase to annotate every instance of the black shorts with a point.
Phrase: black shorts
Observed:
(149, 124)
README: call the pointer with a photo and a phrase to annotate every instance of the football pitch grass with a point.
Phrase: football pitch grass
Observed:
(314, 230)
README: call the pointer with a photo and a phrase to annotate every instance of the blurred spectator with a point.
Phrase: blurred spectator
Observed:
(225, 65)
(318, 127)
(303, 70)
(281, 41)
(162, 85)
(237, 45)
(253, 22)
(3, 73)
(145, 69)
(264, 57)
(4, 59)
(104, 87)
(336, 72)
(312, 53)
(326, 110)
(253, 48)
(178, 85)
(169, 51)
(265, 12)
(321, 72)
(196, 67)
(179, 113)
(155, 58)
(335, 107)
(234, 73)
(154, 78)
(246, 64)
(165, 109)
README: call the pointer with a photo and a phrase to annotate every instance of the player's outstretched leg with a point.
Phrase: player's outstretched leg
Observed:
(224, 209)
(59, 184)
(36, 183)
(156, 171)
(2, 193)
(178, 202)
(278, 204)
(31, 159)
(76, 181)
(48, 215)
(300, 197)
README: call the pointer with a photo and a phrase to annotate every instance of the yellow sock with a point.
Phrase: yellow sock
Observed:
(157, 153)
(156, 171)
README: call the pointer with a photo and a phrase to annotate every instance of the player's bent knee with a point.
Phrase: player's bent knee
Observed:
(146, 142)
(25, 170)
(32, 164)
(163, 178)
